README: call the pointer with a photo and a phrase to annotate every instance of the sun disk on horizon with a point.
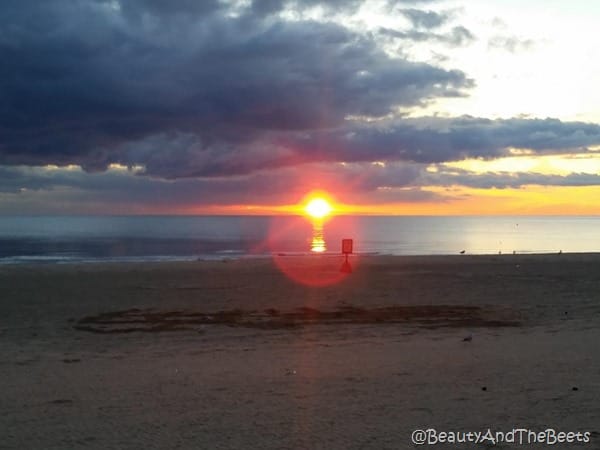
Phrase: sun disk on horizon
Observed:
(318, 208)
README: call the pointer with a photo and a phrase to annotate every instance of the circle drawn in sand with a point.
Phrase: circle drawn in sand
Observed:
(428, 316)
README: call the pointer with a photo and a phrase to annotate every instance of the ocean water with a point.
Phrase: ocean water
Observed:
(158, 238)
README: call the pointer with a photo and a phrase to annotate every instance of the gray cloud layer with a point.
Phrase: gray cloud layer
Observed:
(424, 19)
(456, 37)
(27, 190)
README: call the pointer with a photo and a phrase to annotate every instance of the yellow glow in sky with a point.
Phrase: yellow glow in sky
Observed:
(459, 200)
(546, 165)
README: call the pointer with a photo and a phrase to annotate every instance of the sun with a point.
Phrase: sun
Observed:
(318, 208)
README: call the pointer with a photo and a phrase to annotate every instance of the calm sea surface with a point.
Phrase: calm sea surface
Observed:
(157, 238)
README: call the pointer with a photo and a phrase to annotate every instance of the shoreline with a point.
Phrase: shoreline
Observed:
(42, 261)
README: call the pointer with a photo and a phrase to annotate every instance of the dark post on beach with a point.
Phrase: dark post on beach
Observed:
(346, 250)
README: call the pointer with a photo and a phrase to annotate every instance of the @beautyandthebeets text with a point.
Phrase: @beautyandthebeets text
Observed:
(518, 436)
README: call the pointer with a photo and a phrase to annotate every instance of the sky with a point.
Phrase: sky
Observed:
(245, 106)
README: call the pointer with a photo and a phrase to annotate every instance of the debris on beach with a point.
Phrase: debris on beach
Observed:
(425, 316)
(71, 360)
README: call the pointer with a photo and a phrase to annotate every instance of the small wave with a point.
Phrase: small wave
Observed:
(38, 259)
(51, 259)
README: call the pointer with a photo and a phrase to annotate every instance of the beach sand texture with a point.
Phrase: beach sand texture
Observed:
(235, 354)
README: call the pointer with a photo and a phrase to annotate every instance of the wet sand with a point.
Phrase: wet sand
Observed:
(236, 354)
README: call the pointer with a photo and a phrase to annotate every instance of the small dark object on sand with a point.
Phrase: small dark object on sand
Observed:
(575, 388)
(468, 338)
(462, 252)
(61, 401)
(484, 388)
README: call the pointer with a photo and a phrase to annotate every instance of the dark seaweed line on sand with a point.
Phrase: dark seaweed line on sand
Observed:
(430, 316)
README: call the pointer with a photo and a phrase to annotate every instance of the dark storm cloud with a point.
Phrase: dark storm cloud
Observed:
(184, 155)
(161, 8)
(82, 78)
(429, 140)
(423, 140)
(272, 6)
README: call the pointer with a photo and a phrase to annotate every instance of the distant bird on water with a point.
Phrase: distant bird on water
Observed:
(468, 338)
(462, 252)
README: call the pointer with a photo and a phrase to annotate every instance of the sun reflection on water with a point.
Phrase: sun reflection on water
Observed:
(317, 244)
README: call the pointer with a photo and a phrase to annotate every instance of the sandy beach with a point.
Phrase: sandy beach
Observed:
(239, 354)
